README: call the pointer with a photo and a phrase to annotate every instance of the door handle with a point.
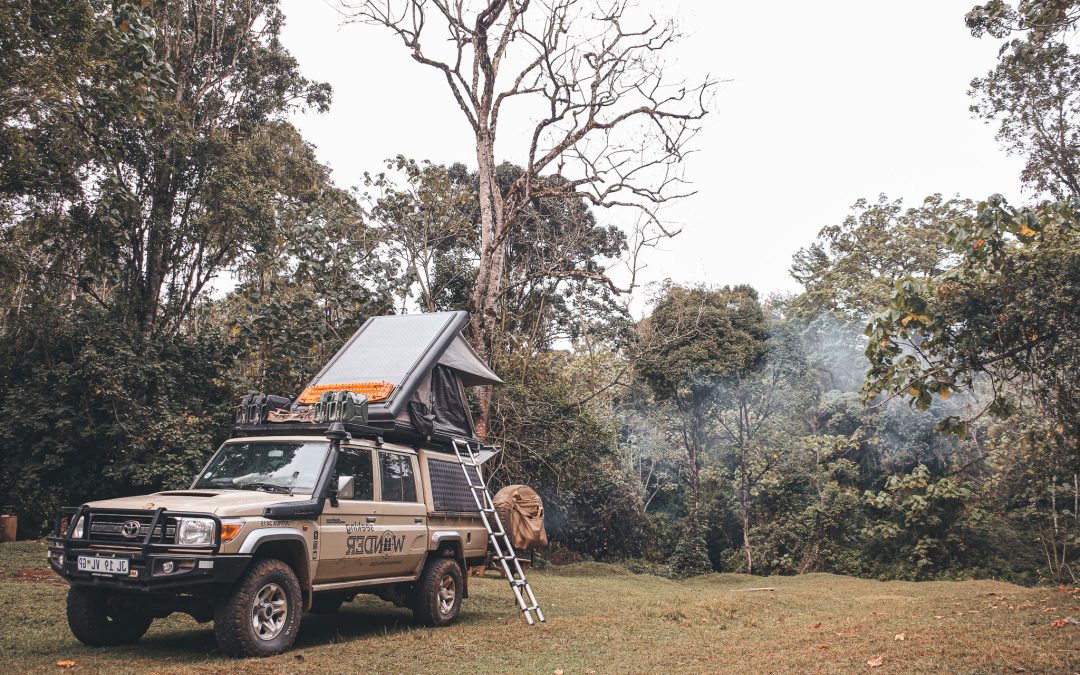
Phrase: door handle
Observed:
(418, 519)
(371, 519)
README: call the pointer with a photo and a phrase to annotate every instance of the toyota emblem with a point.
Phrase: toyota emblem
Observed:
(130, 529)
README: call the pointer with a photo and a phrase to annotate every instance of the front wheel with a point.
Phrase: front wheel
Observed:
(437, 596)
(261, 616)
(101, 620)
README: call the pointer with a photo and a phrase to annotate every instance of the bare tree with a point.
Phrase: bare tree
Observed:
(603, 115)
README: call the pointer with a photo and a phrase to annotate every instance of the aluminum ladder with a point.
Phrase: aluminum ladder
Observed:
(500, 540)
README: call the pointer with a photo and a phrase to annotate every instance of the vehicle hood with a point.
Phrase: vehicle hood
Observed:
(219, 502)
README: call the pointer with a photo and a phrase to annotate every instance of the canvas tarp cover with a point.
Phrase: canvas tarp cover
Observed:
(522, 514)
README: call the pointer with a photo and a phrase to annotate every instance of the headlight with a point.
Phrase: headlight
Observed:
(77, 533)
(195, 531)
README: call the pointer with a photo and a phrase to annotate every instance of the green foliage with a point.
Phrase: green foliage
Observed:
(923, 520)
(555, 285)
(851, 268)
(698, 337)
(146, 151)
(691, 555)
(566, 450)
(1006, 312)
(1034, 96)
(89, 409)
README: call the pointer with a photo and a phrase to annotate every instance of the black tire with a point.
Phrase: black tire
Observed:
(326, 603)
(100, 620)
(437, 595)
(268, 586)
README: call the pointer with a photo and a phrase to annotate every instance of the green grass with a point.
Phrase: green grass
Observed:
(602, 619)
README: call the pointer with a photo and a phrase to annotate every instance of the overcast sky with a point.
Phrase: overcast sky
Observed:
(825, 102)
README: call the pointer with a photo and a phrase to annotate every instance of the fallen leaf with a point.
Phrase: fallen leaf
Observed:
(66, 663)
(938, 616)
(876, 663)
(590, 671)
(558, 672)
(1059, 623)
(1027, 231)
(899, 637)
(821, 648)
(1049, 609)
(814, 626)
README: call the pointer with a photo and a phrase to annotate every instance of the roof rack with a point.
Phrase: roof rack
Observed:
(399, 434)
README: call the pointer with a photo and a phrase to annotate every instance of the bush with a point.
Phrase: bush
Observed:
(691, 556)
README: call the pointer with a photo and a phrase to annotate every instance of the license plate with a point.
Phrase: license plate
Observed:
(98, 565)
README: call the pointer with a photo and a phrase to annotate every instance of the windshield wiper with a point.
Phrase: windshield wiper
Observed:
(269, 487)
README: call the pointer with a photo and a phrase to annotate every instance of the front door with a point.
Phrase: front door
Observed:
(342, 527)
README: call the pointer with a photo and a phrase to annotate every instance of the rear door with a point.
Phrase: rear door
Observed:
(402, 518)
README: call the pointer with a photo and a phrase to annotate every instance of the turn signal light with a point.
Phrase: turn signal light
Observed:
(375, 391)
(230, 530)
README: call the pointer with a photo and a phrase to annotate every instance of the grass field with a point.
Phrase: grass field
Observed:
(601, 619)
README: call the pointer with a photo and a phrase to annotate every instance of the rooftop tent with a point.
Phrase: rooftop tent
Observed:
(425, 359)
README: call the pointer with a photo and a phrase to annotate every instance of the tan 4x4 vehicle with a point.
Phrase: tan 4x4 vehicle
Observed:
(261, 537)
(311, 503)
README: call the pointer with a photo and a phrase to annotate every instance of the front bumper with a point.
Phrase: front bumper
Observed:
(153, 562)
(146, 573)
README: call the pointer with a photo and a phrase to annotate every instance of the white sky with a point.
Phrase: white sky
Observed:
(826, 102)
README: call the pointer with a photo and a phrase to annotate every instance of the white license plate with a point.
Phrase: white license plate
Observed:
(89, 563)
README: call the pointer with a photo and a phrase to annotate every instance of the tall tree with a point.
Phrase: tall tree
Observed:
(145, 151)
(755, 410)
(184, 155)
(609, 121)
(697, 341)
(1032, 92)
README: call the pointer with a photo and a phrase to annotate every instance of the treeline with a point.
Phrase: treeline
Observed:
(169, 242)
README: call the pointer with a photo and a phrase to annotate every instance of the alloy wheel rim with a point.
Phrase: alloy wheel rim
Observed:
(447, 594)
(269, 611)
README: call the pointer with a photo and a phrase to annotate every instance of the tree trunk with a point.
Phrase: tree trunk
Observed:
(485, 293)
(744, 505)
(691, 441)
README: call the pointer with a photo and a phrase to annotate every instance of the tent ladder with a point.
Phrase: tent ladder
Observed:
(500, 540)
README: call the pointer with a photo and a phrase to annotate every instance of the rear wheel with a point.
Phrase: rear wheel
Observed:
(100, 620)
(437, 596)
(261, 617)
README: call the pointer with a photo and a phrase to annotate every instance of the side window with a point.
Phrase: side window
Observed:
(354, 475)
(396, 474)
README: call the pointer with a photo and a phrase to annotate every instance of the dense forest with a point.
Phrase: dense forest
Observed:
(169, 241)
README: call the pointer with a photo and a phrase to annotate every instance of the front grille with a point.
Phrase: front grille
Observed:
(120, 528)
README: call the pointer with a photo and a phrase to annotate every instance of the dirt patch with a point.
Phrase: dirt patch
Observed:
(37, 576)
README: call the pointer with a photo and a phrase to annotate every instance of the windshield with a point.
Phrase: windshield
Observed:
(272, 466)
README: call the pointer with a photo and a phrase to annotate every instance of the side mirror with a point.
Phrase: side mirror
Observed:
(346, 487)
